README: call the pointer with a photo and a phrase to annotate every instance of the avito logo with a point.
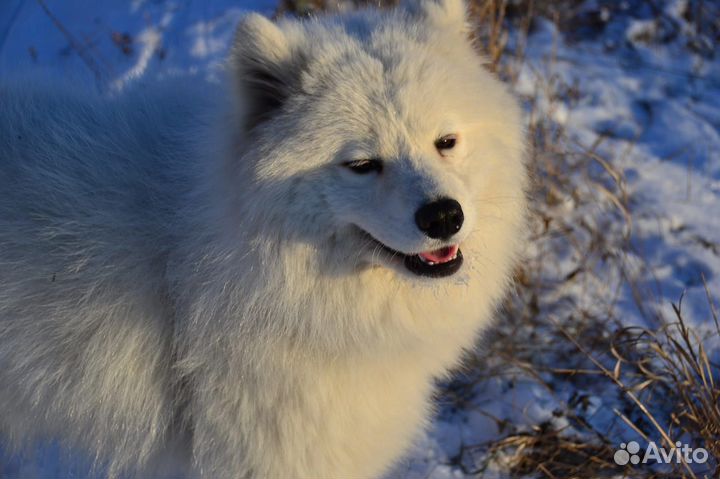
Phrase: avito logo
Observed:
(630, 453)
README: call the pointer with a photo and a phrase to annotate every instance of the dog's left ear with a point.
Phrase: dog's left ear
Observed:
(450, 14)
(263, 68)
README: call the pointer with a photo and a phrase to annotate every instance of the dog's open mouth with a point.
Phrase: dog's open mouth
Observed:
(438, 263)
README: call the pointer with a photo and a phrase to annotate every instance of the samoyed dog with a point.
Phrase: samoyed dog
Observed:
(267, 274)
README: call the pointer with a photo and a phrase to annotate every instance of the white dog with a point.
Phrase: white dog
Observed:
(270, 274)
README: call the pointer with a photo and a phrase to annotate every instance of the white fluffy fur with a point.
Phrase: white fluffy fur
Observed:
(183, 265)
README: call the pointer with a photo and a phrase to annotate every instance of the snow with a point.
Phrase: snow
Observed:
(161, 37)
(648, 103)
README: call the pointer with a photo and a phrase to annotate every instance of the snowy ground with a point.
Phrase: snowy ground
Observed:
(114, 41)
(635, 90)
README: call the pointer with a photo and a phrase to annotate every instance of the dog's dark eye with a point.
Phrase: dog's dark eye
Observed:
(363, 167)
(445, 143)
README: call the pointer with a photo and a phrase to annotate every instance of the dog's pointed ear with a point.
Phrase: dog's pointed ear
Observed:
(262, 68)
(451, 14)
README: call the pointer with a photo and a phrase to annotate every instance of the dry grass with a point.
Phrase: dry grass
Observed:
(561, 326)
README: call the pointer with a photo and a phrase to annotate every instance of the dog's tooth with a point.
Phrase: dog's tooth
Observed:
(426, 261)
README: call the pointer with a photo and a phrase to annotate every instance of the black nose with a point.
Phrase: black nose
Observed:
(440, 219)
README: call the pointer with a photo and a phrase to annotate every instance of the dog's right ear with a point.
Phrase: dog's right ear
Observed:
(262, 68)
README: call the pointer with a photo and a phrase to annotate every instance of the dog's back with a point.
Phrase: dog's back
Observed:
(85, 331)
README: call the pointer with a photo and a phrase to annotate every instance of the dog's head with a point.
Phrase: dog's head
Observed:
(378, 137)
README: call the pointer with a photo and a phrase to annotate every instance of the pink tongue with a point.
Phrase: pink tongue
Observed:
(442, 255)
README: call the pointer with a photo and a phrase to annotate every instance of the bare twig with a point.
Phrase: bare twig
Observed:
(74, 44)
